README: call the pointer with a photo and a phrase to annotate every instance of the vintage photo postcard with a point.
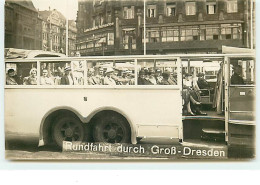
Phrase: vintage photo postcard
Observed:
(130, 80)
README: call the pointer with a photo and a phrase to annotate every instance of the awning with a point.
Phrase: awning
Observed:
(231, 50)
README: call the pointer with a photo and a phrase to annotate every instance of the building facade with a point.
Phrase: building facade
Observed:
(110, 27)
(54, 32)
(22, 26)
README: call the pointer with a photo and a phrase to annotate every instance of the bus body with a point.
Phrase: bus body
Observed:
(143, 111)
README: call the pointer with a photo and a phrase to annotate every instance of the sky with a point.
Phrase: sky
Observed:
(69, 11)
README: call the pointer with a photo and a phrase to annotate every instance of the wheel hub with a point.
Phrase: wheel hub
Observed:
(112, 133)
(68, 132)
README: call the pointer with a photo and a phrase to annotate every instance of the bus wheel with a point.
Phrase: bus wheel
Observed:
(111, 129)
(68, 129)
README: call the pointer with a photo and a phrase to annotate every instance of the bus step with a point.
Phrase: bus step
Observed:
(157, 140)
(209, 134)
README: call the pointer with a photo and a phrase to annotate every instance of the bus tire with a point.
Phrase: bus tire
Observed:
(67, 129)
(111, 129)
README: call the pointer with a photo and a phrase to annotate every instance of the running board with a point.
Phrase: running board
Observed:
(211, 134)
(157, 140)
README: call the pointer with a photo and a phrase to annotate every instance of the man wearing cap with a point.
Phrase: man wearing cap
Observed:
(236, 78)
(108, 80)
(67, 78)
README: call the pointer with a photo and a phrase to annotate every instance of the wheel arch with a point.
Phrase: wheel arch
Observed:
(48, 118)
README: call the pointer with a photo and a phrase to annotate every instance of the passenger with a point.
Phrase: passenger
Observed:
(236, 78)
(32, 79)
(166, 79)
(67, 79)
(142, 80)
(100, 75)
(93, 80)
(10, 78)
(158, 77)
(193, 96)
(123, 79)
(151, 77)
(108, 80)
(202, 83)
(44, 79)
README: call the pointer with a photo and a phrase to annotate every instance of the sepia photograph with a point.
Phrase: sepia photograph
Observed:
(135, 80)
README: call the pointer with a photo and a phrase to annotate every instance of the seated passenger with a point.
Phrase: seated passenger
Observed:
(32, 79)
(10, 78)
(193, 96)
(236, 78)
(93, 80)
(44, 79)
(108, 80)
(202, 83)
(151, 77)
(166, 79)
(157, 75)
(67, 78)
(142, 80)
(123, 79)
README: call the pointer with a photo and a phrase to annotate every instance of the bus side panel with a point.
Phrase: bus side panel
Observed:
(25, 108)
(242, 103)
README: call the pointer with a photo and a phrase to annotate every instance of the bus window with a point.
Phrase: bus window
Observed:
(111, 72)
(62, 73)
(157, 72)
(21, 73)
(242, 71)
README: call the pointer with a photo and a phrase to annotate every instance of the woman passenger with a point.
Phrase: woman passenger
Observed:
(32, 79)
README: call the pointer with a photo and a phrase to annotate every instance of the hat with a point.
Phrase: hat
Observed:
(67, 69)
(166, 74)
(142, 72)
(91, 70)
(157, 70)
(110, 70)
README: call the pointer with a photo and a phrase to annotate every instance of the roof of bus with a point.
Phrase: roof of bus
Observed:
(14, 53)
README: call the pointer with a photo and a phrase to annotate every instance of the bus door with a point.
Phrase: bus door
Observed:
(240, 92)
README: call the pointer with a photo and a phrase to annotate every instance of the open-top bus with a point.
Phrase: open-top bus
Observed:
(108, 99)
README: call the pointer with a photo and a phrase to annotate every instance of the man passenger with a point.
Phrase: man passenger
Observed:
(44, 79)
(10, 78)
(236, 78)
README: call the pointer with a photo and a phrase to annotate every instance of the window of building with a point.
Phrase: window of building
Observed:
(189, 33)
(170, 34)
(170, 9)
(129, 12)
(212, 32)
(230, 31)
(153, 35)
(190, 8)
(231, 6)
(110, 39)
(211, 7)
(129, 38)
(202, 32)
(151, 11)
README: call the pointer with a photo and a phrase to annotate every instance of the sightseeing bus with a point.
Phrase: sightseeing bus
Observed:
(128, 99)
